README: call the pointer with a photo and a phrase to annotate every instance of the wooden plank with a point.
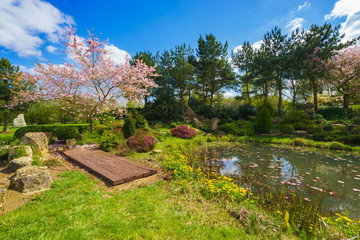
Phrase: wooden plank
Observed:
(113, 169)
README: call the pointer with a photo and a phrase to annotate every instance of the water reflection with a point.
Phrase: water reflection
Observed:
(309, 174)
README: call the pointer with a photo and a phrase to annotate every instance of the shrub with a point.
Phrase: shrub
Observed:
(287, 128)
(332, 113)
(320, 136)
(355, 130)
(100, 128)
(173, 125)
(183, 131)
(263, 122)
(340, 128)
(328, 127)
(108, 142)
(141, 142)
(247, 110)
(267, 104)
(296, 116)
(314, 129)
(63, 133)
(129, 127)
(356, 120)
(317, 116)
(300, 126)
(117, 124)
(299, 142)
(140, 121)
(238, 128)
(337, 146)
(353, 139)
(49, 128)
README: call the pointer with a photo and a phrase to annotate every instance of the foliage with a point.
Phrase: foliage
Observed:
(355, 130)
(338, 146)
(296, 116)
(100, 128)
(63, 133)
(287, 128)
(263, 121)
(108, 141)
(238, 128)
(340, 128)
(129, 127)
(311, 129)
(266, 104)
(140, 121)
(356, 120)
(247, 110)
(141, 142)
(299, 142)
(212, 68)
(81, 128)
(117, 124)
(332, 113)
(75, 85)
(183, 131)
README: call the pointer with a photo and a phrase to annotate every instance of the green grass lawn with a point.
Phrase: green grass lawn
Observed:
(75, 209)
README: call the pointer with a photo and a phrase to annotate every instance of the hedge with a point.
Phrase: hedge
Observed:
(49, 128)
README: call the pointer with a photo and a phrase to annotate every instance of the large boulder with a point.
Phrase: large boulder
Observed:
(37, 139)
(214, 123)
(31, 179)
(3, 189)
(20, 162)
(20, 151)
(19, 121)
(196, 122)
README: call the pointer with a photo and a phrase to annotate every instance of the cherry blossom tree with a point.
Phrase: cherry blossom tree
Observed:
(16, 90)
(344, 72)
(92, 83)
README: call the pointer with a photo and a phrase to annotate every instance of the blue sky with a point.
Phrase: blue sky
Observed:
(30, 29)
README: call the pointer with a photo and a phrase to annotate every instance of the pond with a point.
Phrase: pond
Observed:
(333, 178)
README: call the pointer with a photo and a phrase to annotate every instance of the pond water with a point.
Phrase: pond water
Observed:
(334, 178)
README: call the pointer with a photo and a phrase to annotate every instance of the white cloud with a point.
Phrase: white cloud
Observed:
(228, 95)
(51, 48)
(351, 10)
(294, 24)
(119, 56)
(304, 5)
(26, 24)
(27, 70)
(257, 44)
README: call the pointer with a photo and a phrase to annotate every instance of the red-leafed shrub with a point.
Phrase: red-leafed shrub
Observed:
(141, 142)
(183, 131)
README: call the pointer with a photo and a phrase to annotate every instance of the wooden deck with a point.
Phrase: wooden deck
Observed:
(113, 169)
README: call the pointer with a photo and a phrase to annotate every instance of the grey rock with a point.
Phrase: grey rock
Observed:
(20, 162)
(214, 123)
(31, 179)
(19, 121)
(301, 133)
(38, 140)
(70, 143)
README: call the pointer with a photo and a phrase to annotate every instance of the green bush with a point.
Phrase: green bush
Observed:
(129, 127)
(63, 133)
(238, 128)
(340, 128)
(173, 125)
(328, 127)
(287, 128)
(48, 128)
(299, 142)
(100, 128)
(140, 121)
(332, 113)
(263, 121)
(356, 120)
(108, 142)
(296, 116)
(352, 139)
(355, 130)
(117, 124)
(314, 129)
(338, 146)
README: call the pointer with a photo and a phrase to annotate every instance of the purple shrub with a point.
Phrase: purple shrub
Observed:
(183, 131)
(141, 142)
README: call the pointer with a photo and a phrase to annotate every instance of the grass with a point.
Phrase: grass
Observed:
(75, 209)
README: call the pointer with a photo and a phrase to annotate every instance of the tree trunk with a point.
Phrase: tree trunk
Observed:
(6, 121)
(346, 102)
(211, 98)
(145, 100)
(280, 103)
(248, 93)
(91, 124)
(315, 97)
